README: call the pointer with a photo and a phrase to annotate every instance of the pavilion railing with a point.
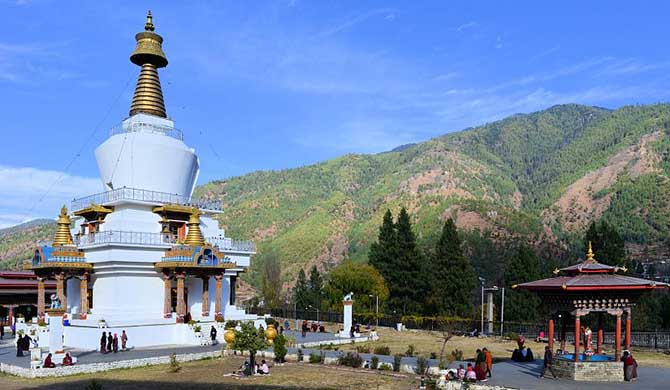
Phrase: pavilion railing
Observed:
(141, 195)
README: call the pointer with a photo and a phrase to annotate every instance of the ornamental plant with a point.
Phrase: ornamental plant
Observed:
(249, 339)
(279, 348)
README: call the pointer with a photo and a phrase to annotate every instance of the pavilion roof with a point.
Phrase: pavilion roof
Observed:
(590, 275)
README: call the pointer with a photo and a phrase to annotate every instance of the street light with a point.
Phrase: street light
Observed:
(317, 312)
(377, 309)
(481, 281)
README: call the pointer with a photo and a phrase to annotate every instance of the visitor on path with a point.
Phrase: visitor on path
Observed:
(110, 341)
(303, 328)
(287, 325)
(315, 326)
(489, 362)
(26, 343)
(124, 339)
(629, 367)
(103, 343)
(212, 334)
(2, 331)
(548, 362)
(115, 343)
(67, 360)
(480, 365)
(460, 374)
(19, 346)
(470, 375)
(281, 330)
(322, 329)
(351, 332)
(48, 363)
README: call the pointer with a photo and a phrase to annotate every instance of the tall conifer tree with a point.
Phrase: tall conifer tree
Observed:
(408, 284)
(301, 291)
(521, 267)
(607, 243)
(384, 253)
(315, 287)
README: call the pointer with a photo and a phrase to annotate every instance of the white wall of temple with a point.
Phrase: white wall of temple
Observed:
(146, 160)
(88, 337)
(128, 254)
(132, 217)
(73, 292)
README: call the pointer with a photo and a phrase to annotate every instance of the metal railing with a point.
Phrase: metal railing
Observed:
(128, 193)
(229, 244)
(125, 238)
(143, 127)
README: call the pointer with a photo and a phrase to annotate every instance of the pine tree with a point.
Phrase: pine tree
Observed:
(521, 267)
(271, 279)
(315, 287)
(407, 283)
(454, 277)
(383, 253)
(607, 243)
(301, 291)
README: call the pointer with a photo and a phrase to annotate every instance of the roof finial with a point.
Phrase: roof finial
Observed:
(589, 254)
(149, 26)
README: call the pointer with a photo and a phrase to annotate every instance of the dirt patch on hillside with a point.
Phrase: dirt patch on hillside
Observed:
(436, 181)
(583, 201)
(467, 220)
(261, 234)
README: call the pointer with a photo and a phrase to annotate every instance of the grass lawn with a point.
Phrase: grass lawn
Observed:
(426, 342)
(208, 374)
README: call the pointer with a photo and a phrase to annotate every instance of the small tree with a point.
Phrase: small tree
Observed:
(279, 348)
(250, 339)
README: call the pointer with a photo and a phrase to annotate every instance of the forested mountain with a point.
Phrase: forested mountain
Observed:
(18, 242)
(539, 178)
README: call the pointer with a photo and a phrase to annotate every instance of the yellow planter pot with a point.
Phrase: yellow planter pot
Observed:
(229, 336)
(271, 333)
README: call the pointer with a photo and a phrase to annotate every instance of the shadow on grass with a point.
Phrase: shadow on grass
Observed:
(110, 384)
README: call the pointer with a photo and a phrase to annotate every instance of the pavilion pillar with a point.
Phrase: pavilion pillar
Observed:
(83, 296)
(628, 325)
(167, 296)
(578, 335)
(563, 324)
(181, 304)
(10, 315)
(219, 295)
(60, 290)
(205, 296)
(599, 341)
(233, 290)
(40, 297)
(617, 337)
(551, 335)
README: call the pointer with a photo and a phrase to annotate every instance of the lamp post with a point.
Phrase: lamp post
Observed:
(317, 312)
(489, 307)
(481, 281)
(502, 312)
(377, 308)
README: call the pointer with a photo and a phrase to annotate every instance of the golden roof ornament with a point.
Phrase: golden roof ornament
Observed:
(589, 254)
(63, 235)
(148, 54)
(194, 236)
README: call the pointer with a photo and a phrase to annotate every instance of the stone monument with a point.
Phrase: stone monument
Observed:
(348, 303)
(56, 334)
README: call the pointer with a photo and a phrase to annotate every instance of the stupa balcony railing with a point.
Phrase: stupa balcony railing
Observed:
(151, 128)
(230, 244)
(120, 237)
(141, 195)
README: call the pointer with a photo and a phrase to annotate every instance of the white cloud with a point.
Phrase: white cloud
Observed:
(29, 193)
(466, 26)
(352, 21)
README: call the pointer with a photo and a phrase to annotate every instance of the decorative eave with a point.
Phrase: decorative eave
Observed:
(185, 211)
(205, 257)
(59, 257)
(94, 212)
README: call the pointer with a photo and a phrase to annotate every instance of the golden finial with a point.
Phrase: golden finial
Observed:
(556, 271)
(194, 236)
(148, 54)
(589, 254)
(63, 234)
(149, 26)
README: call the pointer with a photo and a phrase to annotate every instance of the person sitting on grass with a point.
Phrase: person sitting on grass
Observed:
(245, 369)
(48, 363)
(67, 360)
(460, 374)
(470, 375)
(264, 369)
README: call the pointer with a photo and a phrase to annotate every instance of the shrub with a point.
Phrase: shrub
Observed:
(363, 348)
(279, 348)
(270, 321)
(191, 322)
(314, 358)
(174, 364)
(382, 350)
(197, 328)
(410, 350)
(93, 386)
(300, 355)
(374, 362)
(421, 365)
(230, 324)
(512, 336)
(396, 362)
(433, 355)
(41, 322)
(385, 367)
(350, 360)
(457, 354)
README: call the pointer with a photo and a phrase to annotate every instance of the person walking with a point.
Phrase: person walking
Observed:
(115, 343)
(548, 361)
(103, 343)
(110, 341)
(489, 362)
(480, 365)
(2, 331)
(212, 334)
(629, 367)
(19, 346)
(124, 339)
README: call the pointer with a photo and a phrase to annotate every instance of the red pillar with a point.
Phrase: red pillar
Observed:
(551, 334)
(628, 324)
(599, 346)
(563, 331)
(617, 338)
(578, 336)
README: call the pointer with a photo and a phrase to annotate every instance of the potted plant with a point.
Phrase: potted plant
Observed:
(229, 334)
(270, 332)
(197, 329)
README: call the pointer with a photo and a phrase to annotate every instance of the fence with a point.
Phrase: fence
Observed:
(649, 339)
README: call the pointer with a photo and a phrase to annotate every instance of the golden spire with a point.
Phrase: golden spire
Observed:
(63, 235)
(148, 54)
(194, 236)
(589, 254)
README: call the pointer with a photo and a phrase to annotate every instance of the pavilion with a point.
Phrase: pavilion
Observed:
(590, 287)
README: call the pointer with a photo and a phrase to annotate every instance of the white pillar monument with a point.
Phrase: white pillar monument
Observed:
(348, 303)
(56, 334)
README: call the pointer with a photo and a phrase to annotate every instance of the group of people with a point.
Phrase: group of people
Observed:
(48, 363)
(313, 327)
(480, 371)
(110, 343)
(23, 344)
(258, 369)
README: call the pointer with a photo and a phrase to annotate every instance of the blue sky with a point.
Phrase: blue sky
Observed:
(279, 84)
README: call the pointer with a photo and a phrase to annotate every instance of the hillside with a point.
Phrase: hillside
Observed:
(542, 177)
(18, 242)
